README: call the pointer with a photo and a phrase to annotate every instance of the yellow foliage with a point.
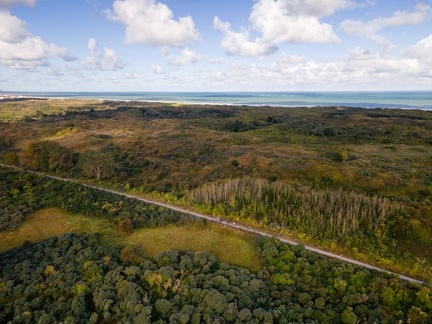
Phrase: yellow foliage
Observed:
(49, 271)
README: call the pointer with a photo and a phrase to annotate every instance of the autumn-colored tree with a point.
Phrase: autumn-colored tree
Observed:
(126, 227)
(49, 156)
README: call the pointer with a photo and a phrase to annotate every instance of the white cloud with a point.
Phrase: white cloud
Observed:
(157, 69)
(150, 22)
(285, 58)
(21, 49)
(110, 60)
(12, 29)
(217, 60)
(281, 21)
(377, 68)
(91, 45)
(186, 56)
(421, 52)
(50, 71)
(422, 49)
(127, 76)
(275, 76)
(369, 30)
(238, 43)
(360, 69)
(106, 62)
(295, 21)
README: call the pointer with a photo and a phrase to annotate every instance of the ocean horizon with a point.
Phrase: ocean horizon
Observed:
(362, 99)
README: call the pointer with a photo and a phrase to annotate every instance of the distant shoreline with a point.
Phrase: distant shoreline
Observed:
(362, 99)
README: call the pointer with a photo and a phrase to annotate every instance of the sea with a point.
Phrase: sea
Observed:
(364, 99)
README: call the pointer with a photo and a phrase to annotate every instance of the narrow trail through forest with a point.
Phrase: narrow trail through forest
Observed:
(227, 223)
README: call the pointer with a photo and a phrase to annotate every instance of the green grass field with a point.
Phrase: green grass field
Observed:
(228, 245)
(231, 246)
(39, 226)
(52, 222)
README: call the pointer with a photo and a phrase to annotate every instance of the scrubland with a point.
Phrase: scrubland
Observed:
(354, 181)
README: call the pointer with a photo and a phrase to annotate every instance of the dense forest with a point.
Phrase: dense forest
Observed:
(74, 279)
(354, 181)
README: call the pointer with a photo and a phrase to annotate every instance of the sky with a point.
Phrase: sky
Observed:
(215, 45)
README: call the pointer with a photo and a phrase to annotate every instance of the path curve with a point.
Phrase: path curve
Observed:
(226, 223)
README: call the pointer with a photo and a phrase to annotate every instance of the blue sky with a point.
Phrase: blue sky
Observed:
(215, 45)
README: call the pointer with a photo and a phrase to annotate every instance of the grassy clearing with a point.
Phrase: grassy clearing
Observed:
(228, 245)
(52, 222)
(39, 226)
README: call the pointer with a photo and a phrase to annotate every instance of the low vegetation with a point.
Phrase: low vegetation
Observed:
(30, 110)
(351, 180)
(310, 157)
